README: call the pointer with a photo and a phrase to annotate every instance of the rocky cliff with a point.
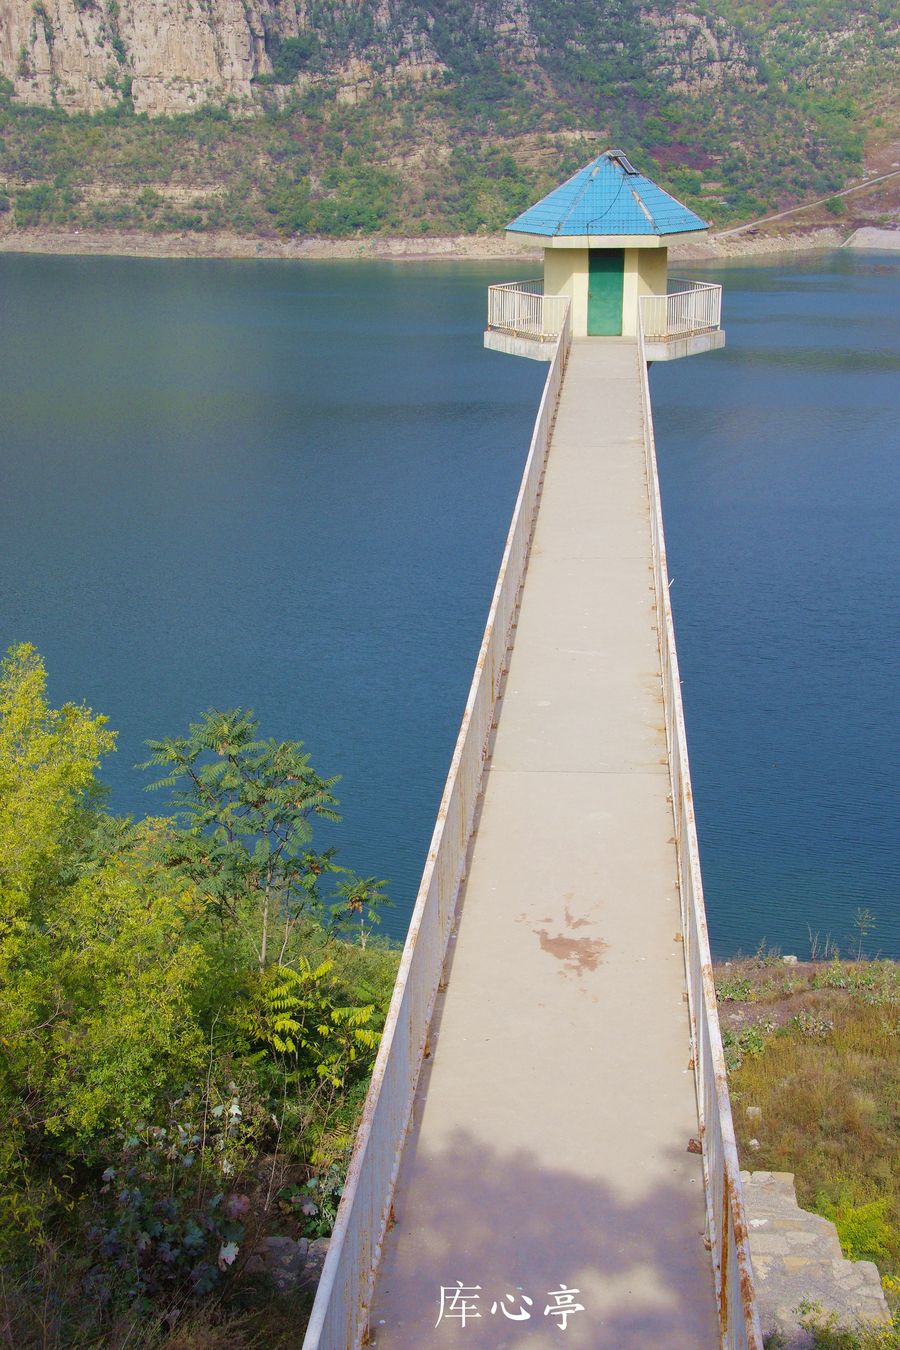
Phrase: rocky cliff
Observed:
(172, 56)
(418, 117)
(168, 55)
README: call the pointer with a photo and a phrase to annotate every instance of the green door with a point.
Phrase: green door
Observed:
(606, 268)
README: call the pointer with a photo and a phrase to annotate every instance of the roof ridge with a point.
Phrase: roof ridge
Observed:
(595, 219)
(644, 207)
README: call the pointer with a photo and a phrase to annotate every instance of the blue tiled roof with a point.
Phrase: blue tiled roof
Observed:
(607, 196)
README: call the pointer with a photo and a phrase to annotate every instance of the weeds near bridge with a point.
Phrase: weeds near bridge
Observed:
(825, 1333)
(817, 1055)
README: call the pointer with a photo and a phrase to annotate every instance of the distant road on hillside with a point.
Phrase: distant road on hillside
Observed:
(780, 215)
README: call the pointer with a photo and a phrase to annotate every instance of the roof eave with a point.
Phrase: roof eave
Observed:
(606, 240)
(682, 234)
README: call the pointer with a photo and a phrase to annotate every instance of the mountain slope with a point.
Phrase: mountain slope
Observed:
(343, 115)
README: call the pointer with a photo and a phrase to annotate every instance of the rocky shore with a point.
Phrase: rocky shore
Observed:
(126, 243)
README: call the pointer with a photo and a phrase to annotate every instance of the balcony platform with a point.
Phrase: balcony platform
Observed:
(655, 349)
(683, 344)
(516, 344)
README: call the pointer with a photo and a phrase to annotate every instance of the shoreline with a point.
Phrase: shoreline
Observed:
(472, 248)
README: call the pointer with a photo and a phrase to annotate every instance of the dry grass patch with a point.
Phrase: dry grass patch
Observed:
(815, 1047)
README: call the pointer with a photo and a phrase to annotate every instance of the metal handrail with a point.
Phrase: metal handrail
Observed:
(726, 1220)
(535, 286)
(521, 309)
(696, 307)
(340, 1313)
(675, 285)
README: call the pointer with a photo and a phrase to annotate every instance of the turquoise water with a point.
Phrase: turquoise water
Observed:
(287, 485)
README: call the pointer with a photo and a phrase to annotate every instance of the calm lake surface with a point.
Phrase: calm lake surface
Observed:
(781, 494)
(287, 486)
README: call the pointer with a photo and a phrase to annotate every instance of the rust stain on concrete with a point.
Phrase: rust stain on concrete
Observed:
(576, 954)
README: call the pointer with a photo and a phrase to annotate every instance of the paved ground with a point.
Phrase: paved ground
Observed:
(549, 1146)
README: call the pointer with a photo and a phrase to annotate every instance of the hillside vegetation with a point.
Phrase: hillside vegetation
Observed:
(402, 118)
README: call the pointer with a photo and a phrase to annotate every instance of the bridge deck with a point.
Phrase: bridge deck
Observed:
(552, 1119)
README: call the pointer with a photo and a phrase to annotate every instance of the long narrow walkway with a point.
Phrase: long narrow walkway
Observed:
(549, 1146)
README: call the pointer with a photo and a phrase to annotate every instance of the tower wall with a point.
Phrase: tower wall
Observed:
(566, 273)
(645, 274)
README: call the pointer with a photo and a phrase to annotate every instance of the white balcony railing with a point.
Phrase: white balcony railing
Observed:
(690, 307)
(522, 309)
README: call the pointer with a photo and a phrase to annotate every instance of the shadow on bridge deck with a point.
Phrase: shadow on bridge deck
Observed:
(631, 1259)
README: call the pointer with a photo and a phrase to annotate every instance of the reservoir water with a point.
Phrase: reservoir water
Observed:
(287, 485)
(780, 471)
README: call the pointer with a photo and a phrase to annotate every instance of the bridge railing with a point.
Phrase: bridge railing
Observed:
(727, 1230)
(690, 307)
(522, 309)
(340, 1313)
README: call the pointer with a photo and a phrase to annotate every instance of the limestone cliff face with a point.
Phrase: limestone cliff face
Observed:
(175, 55)
(698, 53)
(183, 52)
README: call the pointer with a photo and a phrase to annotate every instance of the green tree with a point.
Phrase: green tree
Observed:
(291, 55)
(246, 806)
(101, 1022)
(288, 204)
(358, 902)
(48, 759)
(99, 960)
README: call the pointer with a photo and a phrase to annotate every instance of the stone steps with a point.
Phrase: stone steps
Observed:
(798, 1262)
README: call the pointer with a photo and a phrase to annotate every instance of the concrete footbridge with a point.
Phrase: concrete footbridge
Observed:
(547, 1149)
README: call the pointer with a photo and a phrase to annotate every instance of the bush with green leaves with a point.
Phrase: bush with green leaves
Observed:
(291, 55)
(141, 965)
(298, 1019)
(316, 1201)
(865, 1230)
(733, 989)
(168, 1219)
(748, 1042)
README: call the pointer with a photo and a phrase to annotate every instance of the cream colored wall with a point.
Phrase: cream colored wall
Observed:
(630, 291)
(653, 269)
(566, 273)
(645, 274)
